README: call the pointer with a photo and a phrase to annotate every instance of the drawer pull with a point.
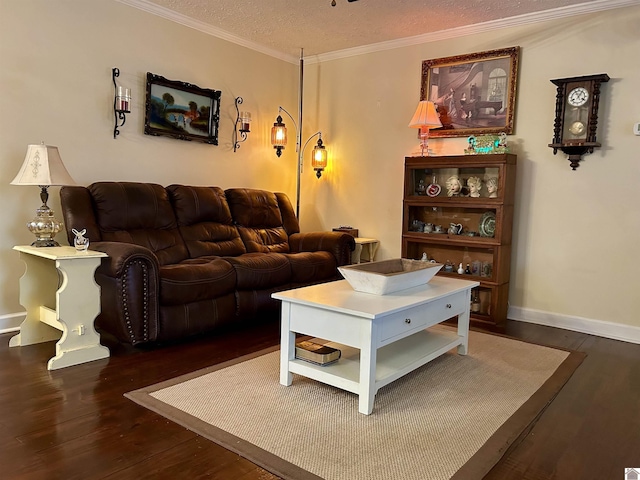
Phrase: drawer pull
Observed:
(407, 320)
(448, 305)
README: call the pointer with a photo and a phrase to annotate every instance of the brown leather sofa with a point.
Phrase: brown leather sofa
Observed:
(185, 260)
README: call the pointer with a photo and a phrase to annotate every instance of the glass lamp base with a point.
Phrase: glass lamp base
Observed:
(44, 226)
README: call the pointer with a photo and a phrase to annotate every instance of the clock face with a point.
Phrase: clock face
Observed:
(578, 97)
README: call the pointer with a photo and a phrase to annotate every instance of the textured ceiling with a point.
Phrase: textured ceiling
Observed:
(285, 26)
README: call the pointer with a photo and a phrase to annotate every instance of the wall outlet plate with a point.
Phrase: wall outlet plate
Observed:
(636, 129)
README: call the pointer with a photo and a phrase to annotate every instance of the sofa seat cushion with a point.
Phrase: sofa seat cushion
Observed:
(311, 267)
(195, 280)
(260, 270)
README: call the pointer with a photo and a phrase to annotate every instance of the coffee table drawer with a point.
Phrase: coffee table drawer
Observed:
(422, 316)
(410, 320)
(445, 308)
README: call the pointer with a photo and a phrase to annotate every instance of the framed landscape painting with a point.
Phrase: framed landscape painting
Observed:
(474, 94)
(181, 110)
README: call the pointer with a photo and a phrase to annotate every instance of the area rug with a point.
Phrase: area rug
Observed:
(452, 418)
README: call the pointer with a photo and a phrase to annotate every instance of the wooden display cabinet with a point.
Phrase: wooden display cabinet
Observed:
(487, 220)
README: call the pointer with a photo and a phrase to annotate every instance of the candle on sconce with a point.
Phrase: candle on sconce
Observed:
(245, 121)
(123, 99)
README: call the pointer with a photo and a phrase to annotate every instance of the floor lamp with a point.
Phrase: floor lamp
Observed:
(279, 140)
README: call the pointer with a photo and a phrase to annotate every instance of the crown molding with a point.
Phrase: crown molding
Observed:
(206, 28)
(519, 20)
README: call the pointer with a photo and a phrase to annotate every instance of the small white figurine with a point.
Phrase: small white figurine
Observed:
(460, 269)
(424, 257)
(80, 241)
(503, 140)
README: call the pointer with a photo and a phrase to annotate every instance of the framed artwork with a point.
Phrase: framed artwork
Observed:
(474, 94)
(181, 110)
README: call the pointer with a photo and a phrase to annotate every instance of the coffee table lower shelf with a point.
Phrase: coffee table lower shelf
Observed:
(393, 360)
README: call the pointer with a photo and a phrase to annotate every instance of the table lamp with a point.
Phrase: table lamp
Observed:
(425, 118)
(43, 167)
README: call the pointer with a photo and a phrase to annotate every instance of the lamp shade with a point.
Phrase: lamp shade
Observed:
(425, 116)
(319, 158)
(279, 134)
(43, 166)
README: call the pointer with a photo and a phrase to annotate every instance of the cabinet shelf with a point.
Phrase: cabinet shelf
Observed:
(446, 239)
(487, 213)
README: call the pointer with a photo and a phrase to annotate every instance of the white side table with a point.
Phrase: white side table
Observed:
(60, 294)
(369, 245)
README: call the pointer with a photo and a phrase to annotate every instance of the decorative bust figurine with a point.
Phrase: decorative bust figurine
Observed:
(492, 187)
(453, 186)
(475, 185)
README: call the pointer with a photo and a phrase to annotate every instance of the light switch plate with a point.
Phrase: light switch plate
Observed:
(636, 129)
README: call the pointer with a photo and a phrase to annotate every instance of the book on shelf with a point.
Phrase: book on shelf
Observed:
(316, 353)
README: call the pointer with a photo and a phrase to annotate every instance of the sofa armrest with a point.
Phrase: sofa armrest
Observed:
(339, 244)
(129, 291)
(120, 255)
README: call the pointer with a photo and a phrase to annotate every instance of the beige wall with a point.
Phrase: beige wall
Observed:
(56, 58)
(575, 232)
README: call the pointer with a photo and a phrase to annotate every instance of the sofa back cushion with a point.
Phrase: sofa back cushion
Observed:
(205, 221)
(139, 213)
(259, 220)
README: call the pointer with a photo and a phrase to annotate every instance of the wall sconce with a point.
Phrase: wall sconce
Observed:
(43, 167)
(243, 119)
(425, 118)
(121, 103)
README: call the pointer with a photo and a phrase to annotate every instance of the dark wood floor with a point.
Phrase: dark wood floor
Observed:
(75, 423)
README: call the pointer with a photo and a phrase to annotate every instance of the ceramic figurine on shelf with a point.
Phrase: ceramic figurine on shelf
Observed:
(453, 186)
(455, 229)
(433, 190)
(421, 188)
(80, 241)
(460, 269)
(492, 187)
(424, 257)
(475, 185)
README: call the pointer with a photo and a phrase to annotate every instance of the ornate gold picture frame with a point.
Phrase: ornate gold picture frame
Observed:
(475, 94)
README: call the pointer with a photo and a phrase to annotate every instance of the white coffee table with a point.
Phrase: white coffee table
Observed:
(389, 334)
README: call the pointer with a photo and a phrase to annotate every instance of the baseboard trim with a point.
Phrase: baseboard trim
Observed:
(600, 328)
(11, 322)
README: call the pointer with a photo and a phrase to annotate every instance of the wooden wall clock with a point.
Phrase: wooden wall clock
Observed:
(574, 129)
